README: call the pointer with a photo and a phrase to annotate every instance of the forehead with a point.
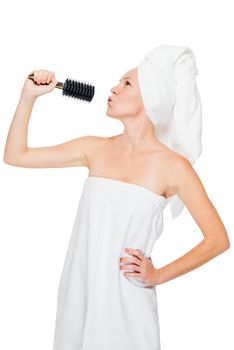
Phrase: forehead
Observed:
(132, 73)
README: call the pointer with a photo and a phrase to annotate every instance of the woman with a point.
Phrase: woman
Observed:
(107, 295)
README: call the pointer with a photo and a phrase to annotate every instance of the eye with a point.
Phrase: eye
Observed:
(127, 82)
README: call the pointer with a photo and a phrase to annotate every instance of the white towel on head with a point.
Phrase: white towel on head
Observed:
(167, 79)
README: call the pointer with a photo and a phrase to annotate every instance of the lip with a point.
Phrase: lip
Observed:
(109, 99)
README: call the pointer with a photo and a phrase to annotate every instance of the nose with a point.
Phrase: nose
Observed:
(114, 90)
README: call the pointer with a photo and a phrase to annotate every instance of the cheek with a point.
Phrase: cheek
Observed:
(131, 103)
(127, 108)
(134, 105)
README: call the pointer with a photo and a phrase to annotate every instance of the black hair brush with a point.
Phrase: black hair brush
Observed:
(74, 89)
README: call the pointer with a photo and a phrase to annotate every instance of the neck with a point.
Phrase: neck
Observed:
(137, 140)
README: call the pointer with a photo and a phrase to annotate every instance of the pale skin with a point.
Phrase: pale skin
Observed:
(136, 156)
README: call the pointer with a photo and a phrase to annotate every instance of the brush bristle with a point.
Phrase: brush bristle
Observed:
(78, 90)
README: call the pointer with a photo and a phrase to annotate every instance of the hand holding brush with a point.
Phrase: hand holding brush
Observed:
(41, 82)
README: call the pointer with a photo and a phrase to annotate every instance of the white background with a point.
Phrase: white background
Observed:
(97, 42)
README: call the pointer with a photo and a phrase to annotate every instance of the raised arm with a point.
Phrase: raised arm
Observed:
(71, 153)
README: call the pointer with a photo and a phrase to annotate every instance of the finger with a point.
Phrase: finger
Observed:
(36, 74)
(131, 274)
(130, 260)
(44, 76)
(131, 267)
(40, 76)
(54, 79)
(49, 78)
(136, 252)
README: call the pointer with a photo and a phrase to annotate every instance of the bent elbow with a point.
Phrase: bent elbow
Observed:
(12, 162)
(227, 246)
(221, 247)
(226, 243)
(9, 161)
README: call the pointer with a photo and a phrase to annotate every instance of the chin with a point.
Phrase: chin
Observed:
(111, 115)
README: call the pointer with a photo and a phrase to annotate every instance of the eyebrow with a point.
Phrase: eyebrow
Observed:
(126, 78)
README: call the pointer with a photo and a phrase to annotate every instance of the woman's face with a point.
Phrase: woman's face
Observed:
(126, 100)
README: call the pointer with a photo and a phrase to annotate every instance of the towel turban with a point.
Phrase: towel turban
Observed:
(167, 79)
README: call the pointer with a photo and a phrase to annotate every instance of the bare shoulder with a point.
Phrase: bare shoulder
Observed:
(97, 142)
(101, 139)
(94, 145)
(188, 185)
(180, 170)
